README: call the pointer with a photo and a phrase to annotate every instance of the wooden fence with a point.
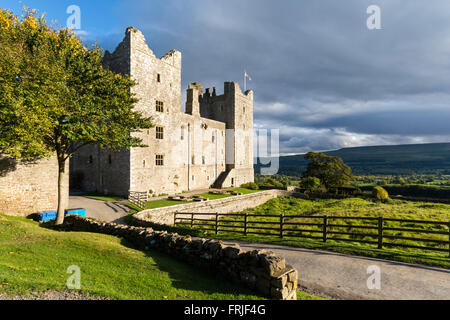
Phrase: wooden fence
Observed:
(373, 231)
(138, 198)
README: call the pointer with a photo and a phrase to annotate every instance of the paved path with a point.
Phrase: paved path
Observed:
(101, 210)
(340, 276)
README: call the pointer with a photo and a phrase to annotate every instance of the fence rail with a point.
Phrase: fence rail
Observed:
(138, 198)
(324, 228)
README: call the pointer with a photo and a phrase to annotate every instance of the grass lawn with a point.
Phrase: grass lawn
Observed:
(349, 207)
(34, 259)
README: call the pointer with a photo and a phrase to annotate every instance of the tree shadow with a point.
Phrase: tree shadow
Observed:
(9, 164)
(185, 276)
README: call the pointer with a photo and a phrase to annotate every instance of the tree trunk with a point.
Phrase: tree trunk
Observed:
(61, 185)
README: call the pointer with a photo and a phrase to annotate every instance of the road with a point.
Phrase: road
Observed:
(100, 210)
(339, 276)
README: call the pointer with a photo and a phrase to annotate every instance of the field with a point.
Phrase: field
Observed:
(355, 207)
(34, 259)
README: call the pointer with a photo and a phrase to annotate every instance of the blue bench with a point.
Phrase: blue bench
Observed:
(52, 214)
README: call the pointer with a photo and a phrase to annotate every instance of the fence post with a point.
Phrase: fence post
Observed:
(245, 224)
(380, 233)
(192, 221)
(217, 223)
(325, 228)
(175, 219)
(449, 238)
(281, 225)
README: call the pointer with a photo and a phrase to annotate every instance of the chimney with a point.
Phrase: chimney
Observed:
(193, 99)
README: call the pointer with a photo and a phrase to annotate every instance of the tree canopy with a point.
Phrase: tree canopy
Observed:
(332, 171)
(55, 95)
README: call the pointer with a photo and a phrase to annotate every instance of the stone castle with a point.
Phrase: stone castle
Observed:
(208, 145)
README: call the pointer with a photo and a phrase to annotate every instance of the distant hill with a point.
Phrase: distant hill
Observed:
(383, 160)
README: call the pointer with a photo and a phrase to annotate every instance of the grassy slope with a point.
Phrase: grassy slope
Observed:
(353, 207)
(36, 259)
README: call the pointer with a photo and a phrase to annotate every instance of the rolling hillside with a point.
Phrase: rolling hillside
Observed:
(383, 160)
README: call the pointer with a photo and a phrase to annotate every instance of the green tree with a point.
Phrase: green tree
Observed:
(332, 171)
(311, 183)
(55, 96)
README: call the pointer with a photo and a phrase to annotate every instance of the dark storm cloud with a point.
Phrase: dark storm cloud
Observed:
(320, 75)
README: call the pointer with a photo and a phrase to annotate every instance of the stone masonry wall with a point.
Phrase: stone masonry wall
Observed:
(258, 270)
(165, 216)
(27, 188)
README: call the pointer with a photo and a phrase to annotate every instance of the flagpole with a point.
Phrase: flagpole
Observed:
(245, 81)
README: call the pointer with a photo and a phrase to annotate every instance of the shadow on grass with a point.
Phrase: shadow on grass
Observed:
(185, 276)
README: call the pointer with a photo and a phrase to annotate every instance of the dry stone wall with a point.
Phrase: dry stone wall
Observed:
(165, 216)
(258, 270)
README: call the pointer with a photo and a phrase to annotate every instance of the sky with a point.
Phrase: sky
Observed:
(319, 74)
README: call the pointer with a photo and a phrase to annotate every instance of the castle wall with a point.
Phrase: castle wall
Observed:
(27, 188)
(192, 148)
(95, 170)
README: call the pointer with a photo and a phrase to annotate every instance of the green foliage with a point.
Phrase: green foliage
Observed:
(311, 183)
(56, 97)
(250, 186)
(332, 171)
(380, 193)
(273, 183)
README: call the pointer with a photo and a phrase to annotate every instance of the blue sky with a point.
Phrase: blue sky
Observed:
(319, 74)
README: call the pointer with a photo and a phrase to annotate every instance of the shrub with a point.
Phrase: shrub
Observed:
(311, 183)
(380, 193)
(274, 183)
(250, 186)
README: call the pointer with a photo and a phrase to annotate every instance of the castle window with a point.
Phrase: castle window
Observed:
(159, 106)
(158, 77)
(110, 159)
(193, 159)
(143, 164)
(213, 138)
(221, 108)
(159, 160)
(204, 160)
(91, 160)
(159, 133)
(244, 109)
(182, 133)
